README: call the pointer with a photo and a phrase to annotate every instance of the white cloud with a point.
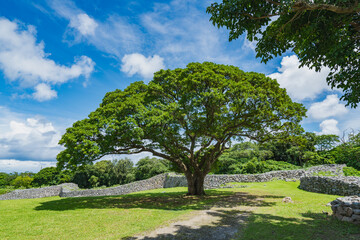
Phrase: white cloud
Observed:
(27, 138)
(114, 35)
(300, 83)
(24, 60)
(330, 107)
(329, 126)
(138, 64)
(178, 31)
(12, 165)
(181, 32)
(44, 92)
(84, 24)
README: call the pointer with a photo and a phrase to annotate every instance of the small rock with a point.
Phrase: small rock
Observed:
(356, 211)
(348, 211)
(287, 200)
(347, 219)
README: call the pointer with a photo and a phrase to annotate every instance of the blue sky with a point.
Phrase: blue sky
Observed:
(58, 58)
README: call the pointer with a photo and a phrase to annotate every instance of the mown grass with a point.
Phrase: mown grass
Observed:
(118, 217)
(306, 218)
(112, 217)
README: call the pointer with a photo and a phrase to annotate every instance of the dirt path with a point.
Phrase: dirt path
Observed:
(216, 223)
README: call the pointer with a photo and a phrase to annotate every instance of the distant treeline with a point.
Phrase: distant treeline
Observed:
(103, 173)
(294, 152)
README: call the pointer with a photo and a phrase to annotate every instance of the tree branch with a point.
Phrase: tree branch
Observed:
(262, 17)
(301, 6)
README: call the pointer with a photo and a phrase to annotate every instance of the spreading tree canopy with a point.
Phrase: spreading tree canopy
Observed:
(188, 116)
(320, 32)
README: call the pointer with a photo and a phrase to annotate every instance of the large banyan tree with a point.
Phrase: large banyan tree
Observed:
(188, 116)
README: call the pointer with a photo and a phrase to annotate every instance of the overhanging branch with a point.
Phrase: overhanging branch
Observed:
(301, 6)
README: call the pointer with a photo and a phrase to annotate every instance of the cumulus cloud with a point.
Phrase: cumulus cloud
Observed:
(329, 126)
(113, 35)
(330, 107)
(44, 92)
(12, 165)
(27, 138)
(139, 64)
(179, 30)
(24, 60)
(84, 24)
(300, 83)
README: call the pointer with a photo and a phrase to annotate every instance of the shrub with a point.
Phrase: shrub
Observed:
(46, 176)
(255, 166)
(22, 181)
(149, 167)
(350, 171)
(6, 190)
(313, 159)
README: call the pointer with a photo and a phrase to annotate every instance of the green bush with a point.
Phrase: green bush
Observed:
(46, 176)
(313, 159)
(6, 190)
(149, 167)
(255, 166)
(350, 171)
(22, 181)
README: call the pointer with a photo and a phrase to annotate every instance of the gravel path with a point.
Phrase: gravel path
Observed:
(216, 223)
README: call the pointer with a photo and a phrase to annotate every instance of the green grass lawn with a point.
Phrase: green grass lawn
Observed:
(117, 217)
(303, 219)
(97, 217)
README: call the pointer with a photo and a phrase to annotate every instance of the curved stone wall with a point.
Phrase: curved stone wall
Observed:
(148, 184)
(32, 193)
(167, 180)
(340, 185)
(214, 181)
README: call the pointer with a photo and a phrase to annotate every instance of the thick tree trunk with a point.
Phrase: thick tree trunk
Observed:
(195, 183)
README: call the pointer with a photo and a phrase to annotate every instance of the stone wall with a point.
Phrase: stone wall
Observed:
(347, 209)
(32, 193)
(215, 181)
(148, 184)
(167, 180)
(340, 185)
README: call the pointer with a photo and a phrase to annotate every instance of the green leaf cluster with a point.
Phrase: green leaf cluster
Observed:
(321, 33)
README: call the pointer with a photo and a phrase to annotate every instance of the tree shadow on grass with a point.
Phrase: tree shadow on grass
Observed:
(166, 201)
(225, 224)
(314, 226)
(236, 224)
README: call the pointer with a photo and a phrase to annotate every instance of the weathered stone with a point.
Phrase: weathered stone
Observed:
(339, 185)
(348, 211)
(287, 200)
(32, 193)
(334, 207)
(347, 219)
(356, 211)
(343, 212)
(355, 217)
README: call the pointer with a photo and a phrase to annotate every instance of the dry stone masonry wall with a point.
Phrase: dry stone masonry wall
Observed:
(339, 185)
(167, 180)
(215, 181)
(347, 209)
(32, 193)
(148, 184)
